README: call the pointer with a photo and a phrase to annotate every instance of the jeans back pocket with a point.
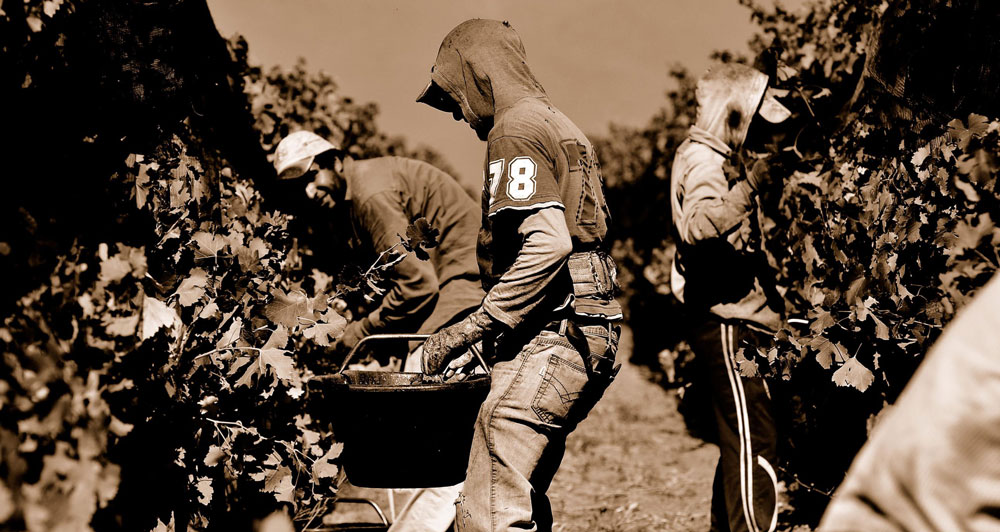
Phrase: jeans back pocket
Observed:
(562, 386)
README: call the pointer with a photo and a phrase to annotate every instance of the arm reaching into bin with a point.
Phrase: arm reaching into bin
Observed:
(546, 245)
(415, 284)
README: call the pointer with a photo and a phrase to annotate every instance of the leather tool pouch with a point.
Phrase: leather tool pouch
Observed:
(595, 283)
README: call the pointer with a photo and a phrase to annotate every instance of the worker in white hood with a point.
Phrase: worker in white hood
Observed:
(721, 275)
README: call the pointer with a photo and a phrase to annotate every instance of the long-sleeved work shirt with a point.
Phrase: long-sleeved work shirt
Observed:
(386, 194)
(538, 165)
(721, 260)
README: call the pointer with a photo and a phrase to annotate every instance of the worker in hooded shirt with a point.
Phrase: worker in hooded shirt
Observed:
(721, 274)
(383, 195)
(548, 320)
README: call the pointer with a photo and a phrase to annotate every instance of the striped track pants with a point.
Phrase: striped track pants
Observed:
(744, 493)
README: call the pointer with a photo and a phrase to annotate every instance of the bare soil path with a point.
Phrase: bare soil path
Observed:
(630, 466)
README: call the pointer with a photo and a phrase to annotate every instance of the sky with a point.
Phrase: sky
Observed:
(600, 61)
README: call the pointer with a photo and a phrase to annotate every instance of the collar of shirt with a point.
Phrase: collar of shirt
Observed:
(702, 136)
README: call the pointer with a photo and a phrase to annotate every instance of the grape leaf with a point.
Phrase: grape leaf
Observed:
(234, 238)
(323, 468)
(978, 125)
(34, 23)
(49, 7)
(854, 373)
(286, 309)
(211, 310)
(420, 236)
(279, 482)
(822, 322)
(827, 351)
(920, 156)
(209, 245)
(156, 315)
(248, 259)
(747, 368)
(248, 375)
(281, 364)
(856, 289)
(136, 257)
(205, 490)
(321, 281)
(259, 247)
(179, 194)
(231, 335)
(215, 453)
(273, 355)
(327, 329)
(192, 288)
(164, 527)
(141, 189)
(881, 329)
(271, 358)
(967, 236)
(863, 308)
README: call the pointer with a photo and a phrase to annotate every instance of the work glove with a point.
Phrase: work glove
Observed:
(444, 346)
(464, 364)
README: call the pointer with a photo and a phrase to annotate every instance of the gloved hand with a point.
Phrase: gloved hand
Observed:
(450, 342)
(464, 364)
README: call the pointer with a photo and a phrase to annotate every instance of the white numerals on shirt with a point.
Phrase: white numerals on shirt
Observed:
(521, 182)
(496, 171)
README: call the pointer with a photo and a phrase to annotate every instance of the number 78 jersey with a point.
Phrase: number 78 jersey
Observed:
(537, 158)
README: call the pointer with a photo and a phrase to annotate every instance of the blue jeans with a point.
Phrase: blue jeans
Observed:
(537, 397)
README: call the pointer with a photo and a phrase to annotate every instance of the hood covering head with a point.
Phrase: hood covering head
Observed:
(481, 66)
(729, 96)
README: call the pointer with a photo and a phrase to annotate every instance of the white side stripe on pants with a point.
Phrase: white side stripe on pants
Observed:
(746, 425)
(774, 482)
(746, 466)
(746, 448)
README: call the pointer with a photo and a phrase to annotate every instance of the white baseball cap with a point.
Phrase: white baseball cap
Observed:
(296, 152)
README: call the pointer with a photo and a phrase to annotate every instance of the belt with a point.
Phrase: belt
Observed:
(575, 329)
(598, 326)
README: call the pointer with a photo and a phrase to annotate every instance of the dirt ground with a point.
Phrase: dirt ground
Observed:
(630, 466)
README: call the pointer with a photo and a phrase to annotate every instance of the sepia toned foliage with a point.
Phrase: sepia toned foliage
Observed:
(158, 347)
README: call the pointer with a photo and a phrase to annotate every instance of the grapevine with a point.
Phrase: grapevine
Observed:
(156, 373)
